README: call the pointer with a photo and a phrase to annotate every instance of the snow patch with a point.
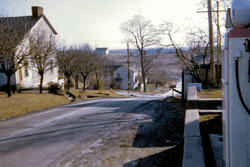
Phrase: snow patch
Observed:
(97, 143)
(87, 151)
(67, 164)
(141, 116)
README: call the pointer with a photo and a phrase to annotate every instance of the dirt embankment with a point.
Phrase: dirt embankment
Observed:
(151, 135)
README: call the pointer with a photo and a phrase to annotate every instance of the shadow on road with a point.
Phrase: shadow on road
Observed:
(161, 159)
(166, 130)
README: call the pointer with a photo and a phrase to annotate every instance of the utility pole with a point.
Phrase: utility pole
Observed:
(211, 37)
(128, 62)
(218, 46)
(211, 42)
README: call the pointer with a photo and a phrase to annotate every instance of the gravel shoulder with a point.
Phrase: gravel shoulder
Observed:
(151, 135)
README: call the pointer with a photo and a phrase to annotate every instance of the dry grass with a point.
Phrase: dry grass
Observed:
(211, 123)
(20, 103)
(79, 93)
(210, 93)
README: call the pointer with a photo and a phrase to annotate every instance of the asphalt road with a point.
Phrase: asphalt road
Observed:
(50, 137)
(55, 136)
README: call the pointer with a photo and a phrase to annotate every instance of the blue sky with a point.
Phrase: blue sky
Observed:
(97, 22)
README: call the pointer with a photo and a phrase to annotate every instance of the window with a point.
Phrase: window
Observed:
(26, 68)
(118, 75)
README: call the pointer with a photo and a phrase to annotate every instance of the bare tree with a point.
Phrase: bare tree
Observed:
(101, 64)
(88, 61)
(76, 77)
(158, 77)
(142, 34)
(150, 61)
(13, 46)
(202, 45)
(196, 39)
(43, 54)
(68, 61)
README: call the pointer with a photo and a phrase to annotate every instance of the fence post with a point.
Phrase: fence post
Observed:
(184, 91)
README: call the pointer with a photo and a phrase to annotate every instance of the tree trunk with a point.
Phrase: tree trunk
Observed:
(97, 84)
(84, 82)
(97, 81)
(68, 75)
(142, 71)
(8, 85)
(206, 82)
(76, 82)
(68, 81)
(41, 83)
(68, 84)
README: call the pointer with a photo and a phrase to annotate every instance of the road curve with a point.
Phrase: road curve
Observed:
(49, 137)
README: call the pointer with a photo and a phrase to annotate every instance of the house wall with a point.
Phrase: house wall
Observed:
(124, 75)
(107, 52)
(103, 52)
(33, 79)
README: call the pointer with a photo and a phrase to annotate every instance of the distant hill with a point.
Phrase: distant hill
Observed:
(135, 51)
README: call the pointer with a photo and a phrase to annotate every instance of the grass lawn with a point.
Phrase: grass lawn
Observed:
(21, 103)
(210, 93)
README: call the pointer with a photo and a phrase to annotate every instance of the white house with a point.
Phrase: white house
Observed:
(26, 77)
(102, 51)
(120, 75)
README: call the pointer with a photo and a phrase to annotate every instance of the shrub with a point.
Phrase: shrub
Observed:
(112, 84)
(54, 88)
(4, 88)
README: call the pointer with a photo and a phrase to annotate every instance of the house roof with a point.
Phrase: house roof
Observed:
(132, 68)
(101, 49)
(112, 68)
(24, 23)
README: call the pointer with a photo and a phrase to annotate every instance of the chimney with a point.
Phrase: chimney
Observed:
(36, 11)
